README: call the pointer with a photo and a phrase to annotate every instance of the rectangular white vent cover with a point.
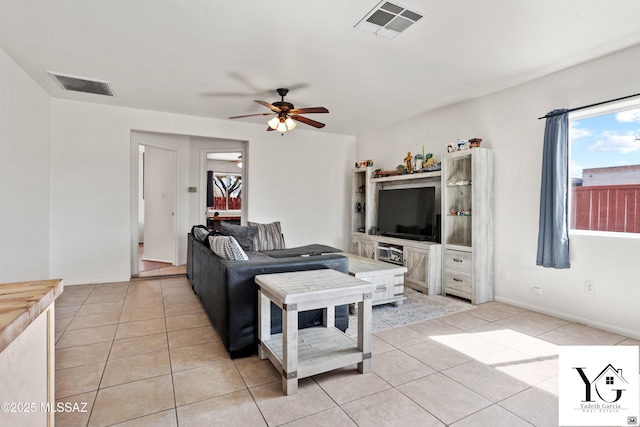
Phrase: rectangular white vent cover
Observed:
(388, 19)
(82, 84)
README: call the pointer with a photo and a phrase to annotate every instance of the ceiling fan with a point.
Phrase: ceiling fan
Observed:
(286, 115)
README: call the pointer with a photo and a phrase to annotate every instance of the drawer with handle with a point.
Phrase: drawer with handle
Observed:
(458, 283)
(457, 260)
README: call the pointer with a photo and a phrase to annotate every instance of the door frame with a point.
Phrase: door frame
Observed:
(203, 179)
(138, 140)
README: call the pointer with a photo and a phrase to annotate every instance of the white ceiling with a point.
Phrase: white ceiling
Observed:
(212, 58)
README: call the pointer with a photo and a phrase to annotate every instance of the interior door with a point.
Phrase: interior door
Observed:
(159, 205)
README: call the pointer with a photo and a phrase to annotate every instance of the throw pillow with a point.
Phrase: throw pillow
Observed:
(269, 236)
(243, 235)
(200, 232)
(227, 247)
(211, 233)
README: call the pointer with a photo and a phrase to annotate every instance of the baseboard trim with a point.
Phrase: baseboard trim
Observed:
(576, 319)
(163, 261)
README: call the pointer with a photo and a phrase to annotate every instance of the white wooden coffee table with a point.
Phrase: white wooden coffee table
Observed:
(388, 278)
(310, 351)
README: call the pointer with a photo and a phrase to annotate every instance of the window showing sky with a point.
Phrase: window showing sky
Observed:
(607, 140)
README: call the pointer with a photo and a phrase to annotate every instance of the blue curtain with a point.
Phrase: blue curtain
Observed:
(553, 232)
(210, 189)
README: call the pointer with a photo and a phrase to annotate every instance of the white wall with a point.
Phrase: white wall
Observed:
(507, 121)
(24, 175)
(301, 179)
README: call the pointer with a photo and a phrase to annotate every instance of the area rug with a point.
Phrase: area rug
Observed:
(416, 308)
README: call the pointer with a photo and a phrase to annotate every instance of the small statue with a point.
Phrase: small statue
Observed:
(417, 162)
(407, 161)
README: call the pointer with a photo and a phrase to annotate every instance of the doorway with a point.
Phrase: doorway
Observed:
(157, 212)
(224, 188)
(189, 200)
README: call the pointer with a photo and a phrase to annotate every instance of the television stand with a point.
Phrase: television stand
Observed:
(391, 253)
(422, 259)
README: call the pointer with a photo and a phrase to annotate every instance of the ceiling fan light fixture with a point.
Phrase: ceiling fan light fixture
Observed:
(285, 115)
(273, 123)
(282, 127)
(290, 123)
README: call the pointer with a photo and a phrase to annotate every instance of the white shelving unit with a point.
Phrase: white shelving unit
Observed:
(361, 205)
(467, 238)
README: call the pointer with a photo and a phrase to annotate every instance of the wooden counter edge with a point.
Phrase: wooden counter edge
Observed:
(44, 293)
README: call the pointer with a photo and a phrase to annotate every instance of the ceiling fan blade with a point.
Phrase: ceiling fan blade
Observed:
(307, 121)
(251, 115)
(232, 94)
(269, 106)
(309, 110)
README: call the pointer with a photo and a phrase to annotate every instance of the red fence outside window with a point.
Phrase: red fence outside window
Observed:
(220, 203)
(606, 208)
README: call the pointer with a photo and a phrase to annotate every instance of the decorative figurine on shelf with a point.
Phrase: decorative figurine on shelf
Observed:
(430, 161)
(363, 163)
(401, 170)
(407, 161)
(417, 163)
(475, 142)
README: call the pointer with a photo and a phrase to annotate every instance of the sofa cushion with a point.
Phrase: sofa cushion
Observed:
(307, 250)
(269, 236)
(227, 247)
(243, 235)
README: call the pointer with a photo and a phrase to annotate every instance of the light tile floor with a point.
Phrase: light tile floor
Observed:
(143, 353)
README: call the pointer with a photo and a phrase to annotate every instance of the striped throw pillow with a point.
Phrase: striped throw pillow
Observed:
(269, 236)
(227, 247)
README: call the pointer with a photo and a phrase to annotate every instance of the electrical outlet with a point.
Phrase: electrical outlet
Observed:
(590, 286)
(537, 290)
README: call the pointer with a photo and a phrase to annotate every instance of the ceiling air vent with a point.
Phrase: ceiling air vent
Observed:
(388, 19)
(82, 84)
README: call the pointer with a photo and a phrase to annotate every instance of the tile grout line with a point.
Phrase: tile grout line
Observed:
(166, 331)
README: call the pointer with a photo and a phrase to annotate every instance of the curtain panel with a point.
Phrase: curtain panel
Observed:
(210, 189)
(553, 232)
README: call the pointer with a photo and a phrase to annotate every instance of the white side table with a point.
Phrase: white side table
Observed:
(310, 351)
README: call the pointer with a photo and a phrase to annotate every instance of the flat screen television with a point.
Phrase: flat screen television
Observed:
(408, 213)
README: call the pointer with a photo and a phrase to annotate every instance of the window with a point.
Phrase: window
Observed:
(227, 191)
(605, 169)
(609, 380)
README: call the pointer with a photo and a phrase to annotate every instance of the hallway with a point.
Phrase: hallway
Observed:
(156, 269)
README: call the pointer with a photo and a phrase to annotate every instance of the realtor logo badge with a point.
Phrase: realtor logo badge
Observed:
(598, 385)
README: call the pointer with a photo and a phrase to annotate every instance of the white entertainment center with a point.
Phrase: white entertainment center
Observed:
(461, 263)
